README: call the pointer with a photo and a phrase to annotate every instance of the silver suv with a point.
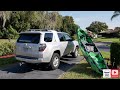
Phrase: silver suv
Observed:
(45, 46)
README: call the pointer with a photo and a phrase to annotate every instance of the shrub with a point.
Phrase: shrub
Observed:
(12, 33)
(9, 33)
(74, 37)
(115, 54)
(7, 48)
(1, 34)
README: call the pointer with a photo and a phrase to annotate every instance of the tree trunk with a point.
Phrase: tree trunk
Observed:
(4, 20)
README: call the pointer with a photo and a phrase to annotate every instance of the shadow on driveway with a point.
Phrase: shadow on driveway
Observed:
(66, 63)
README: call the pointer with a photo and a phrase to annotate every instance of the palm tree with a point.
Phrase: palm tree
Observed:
(115, 14)
(5, 15)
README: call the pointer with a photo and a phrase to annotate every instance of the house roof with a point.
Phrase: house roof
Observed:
(110, 31)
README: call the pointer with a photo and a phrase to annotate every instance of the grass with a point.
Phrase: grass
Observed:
(83, 69)
(106, 55)
(108, 45)
(6, 61)
(80, 52)
(106, 40)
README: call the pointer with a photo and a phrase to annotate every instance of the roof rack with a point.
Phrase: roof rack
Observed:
(37, 30)
(57, 30)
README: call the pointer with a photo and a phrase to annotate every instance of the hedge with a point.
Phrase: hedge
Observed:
(7, 48)
(115, 54)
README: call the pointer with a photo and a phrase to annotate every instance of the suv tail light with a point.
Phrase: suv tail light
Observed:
(42, 47)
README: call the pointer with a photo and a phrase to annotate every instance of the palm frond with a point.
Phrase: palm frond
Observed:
(114, 16)
(116, 13)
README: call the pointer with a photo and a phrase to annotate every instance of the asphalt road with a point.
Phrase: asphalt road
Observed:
(17, 71)
(102, 46)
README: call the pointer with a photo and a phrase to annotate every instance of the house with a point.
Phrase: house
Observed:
(110, 33)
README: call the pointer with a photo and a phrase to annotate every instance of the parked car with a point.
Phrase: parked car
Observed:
(45, 46)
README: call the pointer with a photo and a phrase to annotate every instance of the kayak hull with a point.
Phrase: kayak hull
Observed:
(91, 52)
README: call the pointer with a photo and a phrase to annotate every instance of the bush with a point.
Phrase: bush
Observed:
(7, 48)
(12, 33)
(1, 34)
(9, 33)
(115, 54)
(74, 37)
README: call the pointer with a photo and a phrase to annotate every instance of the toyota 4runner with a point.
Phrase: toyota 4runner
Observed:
(45, 46)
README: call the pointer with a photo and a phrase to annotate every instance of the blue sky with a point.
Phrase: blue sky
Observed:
(85, 18)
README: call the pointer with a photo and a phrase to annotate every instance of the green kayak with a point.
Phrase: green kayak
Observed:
(90, 52)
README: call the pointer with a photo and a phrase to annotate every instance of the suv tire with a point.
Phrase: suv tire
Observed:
(29, 64)
(55, 61)
(75, 53)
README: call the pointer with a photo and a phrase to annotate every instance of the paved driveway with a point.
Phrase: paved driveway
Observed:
(16, 71)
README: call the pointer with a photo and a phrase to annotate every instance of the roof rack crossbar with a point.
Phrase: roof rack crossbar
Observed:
(37, 30)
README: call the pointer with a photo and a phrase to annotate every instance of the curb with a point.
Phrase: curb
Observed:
(7, 56)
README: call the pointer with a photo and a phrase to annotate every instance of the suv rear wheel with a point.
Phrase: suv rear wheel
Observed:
(75, 53)
(55, 61)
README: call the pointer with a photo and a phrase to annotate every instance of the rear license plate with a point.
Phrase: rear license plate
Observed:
(25, 49)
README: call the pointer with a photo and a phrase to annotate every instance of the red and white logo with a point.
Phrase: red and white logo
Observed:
(114, 73)
(119, 72)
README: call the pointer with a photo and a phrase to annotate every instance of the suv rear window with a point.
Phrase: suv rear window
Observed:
(29, 38)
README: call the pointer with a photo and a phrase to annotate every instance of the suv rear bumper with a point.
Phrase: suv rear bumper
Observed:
(37, 60)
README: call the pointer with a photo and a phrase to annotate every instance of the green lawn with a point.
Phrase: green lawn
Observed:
(83, 70)
(108, 45)
(106, 55)
(106, 40)
(7, 61)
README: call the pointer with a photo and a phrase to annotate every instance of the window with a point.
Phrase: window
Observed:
(67, 37)
(48, 37)
(29, 38)
(61, 37)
